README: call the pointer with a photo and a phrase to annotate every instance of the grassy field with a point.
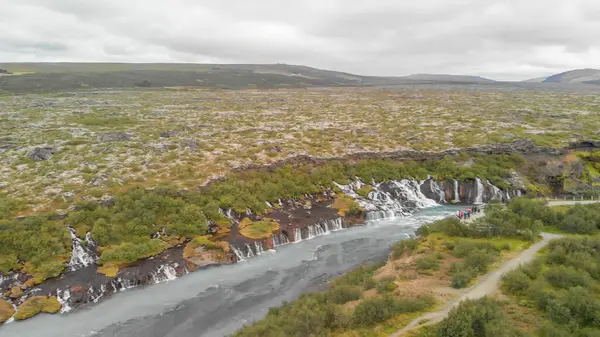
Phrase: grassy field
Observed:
(107, 141)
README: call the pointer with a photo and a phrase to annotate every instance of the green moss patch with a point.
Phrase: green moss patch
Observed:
(258, 229)
(37, 304)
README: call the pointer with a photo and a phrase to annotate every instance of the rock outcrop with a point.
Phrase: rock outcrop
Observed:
(41, 153)
(114, 137)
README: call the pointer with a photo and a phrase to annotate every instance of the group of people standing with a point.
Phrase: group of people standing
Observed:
(466, 214)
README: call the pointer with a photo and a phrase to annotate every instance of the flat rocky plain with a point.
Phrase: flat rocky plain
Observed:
(59, 148)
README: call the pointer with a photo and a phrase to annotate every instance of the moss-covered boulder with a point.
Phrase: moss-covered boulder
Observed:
(347, 206)
(6, 311)
(201, 252)
(37, 304)
(257, 230)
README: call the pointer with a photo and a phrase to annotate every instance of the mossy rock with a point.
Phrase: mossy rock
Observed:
(16, 292)
(347, 206)
(258, 229)
(6, 311)
(37, 304)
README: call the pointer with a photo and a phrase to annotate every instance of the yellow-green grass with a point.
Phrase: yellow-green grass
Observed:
(37, 304)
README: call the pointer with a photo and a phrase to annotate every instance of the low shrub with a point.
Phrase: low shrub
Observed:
(386, 285)
(404, 246)
(429, 262)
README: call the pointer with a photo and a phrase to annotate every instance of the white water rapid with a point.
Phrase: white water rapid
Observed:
(83, 253)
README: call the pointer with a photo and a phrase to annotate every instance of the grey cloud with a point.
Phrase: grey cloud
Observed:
(510, 39)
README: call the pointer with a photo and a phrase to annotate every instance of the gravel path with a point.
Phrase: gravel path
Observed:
(486, 285)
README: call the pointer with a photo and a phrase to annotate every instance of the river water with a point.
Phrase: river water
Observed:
(216, 302)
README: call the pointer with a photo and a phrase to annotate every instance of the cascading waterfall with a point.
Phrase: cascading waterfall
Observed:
(82, 255)
(238, 253)
(479, 197)
(336, 224)
(456, 193)
(259, 247)
(390, 199)
(435, 188)
(280, 240)
(165, 272)
(63, 298)
(96, 296)
(496, 193)
(250, 252)
(297, 235)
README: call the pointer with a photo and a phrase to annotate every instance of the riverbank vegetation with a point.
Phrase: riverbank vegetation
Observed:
(124, 228)
(419, 275)
(556, 295)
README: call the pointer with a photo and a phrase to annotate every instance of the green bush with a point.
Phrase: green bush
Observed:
(462, 278)
(386, 285)
(429, 262)
(515, 282)
(404, 246)
(375, 310)
(344, 293)
(480, 318)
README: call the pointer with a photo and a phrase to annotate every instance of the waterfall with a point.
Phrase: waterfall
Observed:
(391, 198)
(122, 284)
(335, 224)
(250, 252)
(297, 235)
(280, 240)
(311, 232)
(435, 188)
(95, 297)
(258, 245)
(496, 193)
(479, 197)
(63, 298)
(456, 194)
(238, 253)
(380, 214)
(269, 204)
(412, 192)
(82, 255)
(165, 272)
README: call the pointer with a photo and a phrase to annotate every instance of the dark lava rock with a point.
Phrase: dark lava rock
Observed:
(585, 144)
(168, 134)
(41, 153)
(114, 137)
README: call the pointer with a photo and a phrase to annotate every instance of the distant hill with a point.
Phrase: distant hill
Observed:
(572, 76)
(50, 77)
(449, 78)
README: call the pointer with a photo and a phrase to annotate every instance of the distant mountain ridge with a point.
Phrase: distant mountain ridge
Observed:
(449, 78)
(52, 77)
(589, 76)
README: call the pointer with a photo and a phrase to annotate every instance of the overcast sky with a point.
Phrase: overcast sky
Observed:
(506, 40)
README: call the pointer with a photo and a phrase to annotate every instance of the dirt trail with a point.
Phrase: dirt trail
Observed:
(486, 285)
